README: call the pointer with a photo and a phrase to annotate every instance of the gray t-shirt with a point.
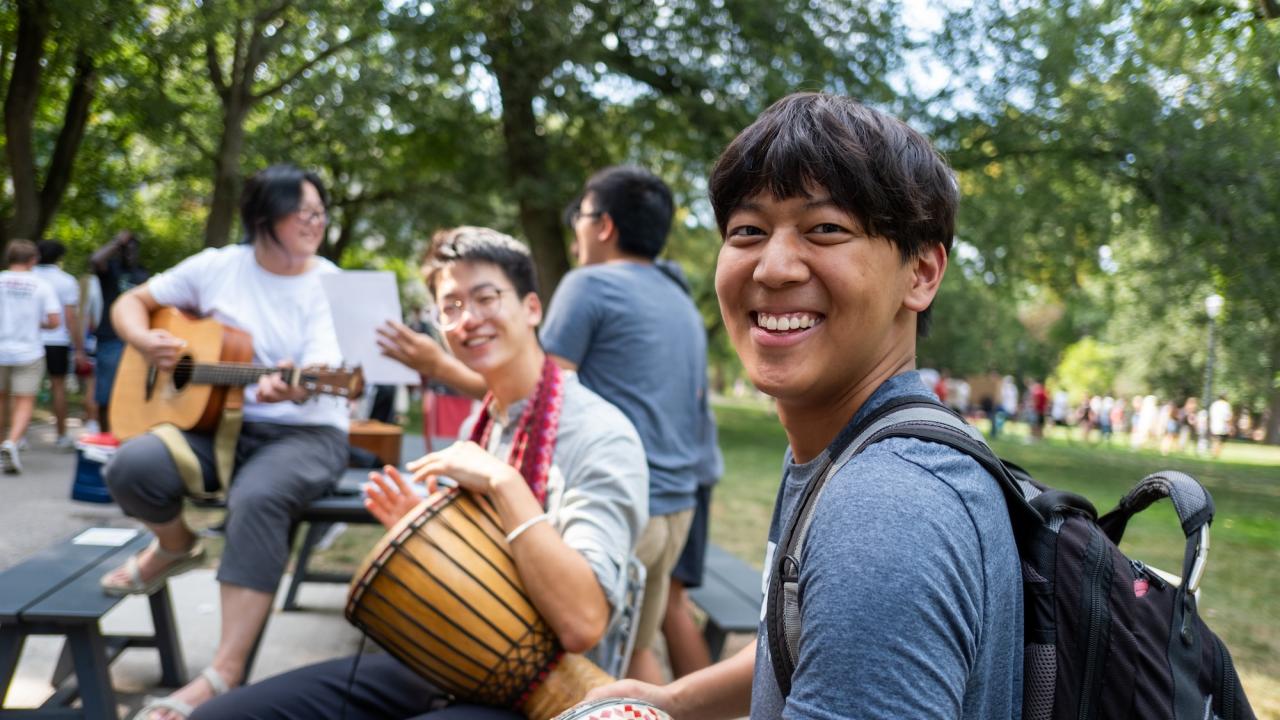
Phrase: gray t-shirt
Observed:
(638, 341)
(911, 594)
(598, 484)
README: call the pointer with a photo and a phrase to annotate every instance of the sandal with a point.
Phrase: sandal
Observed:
(179, 562)
(178, 707)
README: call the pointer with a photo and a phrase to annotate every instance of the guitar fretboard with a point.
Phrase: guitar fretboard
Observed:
(229, 373)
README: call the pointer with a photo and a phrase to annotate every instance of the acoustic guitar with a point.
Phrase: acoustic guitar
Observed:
(210, 376)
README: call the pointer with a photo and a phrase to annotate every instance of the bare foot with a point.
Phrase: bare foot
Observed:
(150, 565)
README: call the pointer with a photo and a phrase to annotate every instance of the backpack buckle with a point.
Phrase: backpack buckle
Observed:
(1198, 565)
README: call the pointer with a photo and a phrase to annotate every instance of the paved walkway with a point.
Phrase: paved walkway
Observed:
(36, 509)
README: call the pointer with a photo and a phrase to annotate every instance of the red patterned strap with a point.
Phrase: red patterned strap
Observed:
(534, 443)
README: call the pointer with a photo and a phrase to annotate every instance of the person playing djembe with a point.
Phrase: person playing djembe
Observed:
(565, 470)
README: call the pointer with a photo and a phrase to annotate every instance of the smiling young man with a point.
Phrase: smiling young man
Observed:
(837, 221)
(564, 469)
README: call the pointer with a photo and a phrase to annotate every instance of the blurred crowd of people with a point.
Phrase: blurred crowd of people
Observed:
(1149, 421)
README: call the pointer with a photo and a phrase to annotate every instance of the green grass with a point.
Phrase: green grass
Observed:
(1241, 590)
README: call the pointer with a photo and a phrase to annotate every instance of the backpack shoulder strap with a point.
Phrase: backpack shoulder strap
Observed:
(913, 416)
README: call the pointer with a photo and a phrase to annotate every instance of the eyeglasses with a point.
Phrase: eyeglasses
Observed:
(483, 304)
(577, 213)
(312, 216)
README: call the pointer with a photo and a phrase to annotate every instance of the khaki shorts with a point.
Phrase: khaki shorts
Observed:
(22, 379)
(659, 548)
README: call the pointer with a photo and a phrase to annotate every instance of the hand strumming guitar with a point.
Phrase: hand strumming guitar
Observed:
(161, 348)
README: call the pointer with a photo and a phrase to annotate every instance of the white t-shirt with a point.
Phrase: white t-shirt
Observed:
(68, 292)
(25, 300)
(1220, 417)
(286, 315)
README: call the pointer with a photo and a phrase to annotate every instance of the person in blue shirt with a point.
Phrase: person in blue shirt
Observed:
(837, 221)
(625, 321)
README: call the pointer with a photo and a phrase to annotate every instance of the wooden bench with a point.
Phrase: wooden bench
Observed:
(56, 592)
(730, 595)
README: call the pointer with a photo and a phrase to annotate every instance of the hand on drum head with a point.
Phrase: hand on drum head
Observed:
(473, 468)
(659, 696)
(389, 498)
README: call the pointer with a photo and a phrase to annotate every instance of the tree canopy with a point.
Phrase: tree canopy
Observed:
(1117, 158)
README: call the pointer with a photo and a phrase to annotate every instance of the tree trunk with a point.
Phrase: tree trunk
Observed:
(528, 171)
(1273, 400)
(350, 214)
(226, 172)
(75, 119)
(19, 113)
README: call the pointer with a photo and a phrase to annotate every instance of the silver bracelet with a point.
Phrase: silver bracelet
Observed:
(511, 536)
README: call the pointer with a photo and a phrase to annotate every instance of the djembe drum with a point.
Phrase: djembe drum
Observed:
(615, 709)
(440, 592)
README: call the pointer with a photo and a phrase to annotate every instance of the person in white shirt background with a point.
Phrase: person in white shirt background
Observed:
(64, 344)
(1219, 423)
(27, 305)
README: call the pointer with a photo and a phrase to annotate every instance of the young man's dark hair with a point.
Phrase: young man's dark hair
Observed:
(51, 251)
(478, 244)
(271, 194)
(639, 203)
(875, 167)
(20, 252)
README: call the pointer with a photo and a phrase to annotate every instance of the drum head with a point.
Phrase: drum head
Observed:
(614, 709)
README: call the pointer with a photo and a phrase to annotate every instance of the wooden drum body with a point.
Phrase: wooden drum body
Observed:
(441, 593)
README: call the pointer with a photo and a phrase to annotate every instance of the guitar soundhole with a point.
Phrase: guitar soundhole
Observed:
(182, 372)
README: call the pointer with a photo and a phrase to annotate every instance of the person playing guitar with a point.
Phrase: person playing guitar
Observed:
(291, 447)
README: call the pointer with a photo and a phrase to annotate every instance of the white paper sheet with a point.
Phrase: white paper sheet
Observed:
(106, 537)
(361, 302)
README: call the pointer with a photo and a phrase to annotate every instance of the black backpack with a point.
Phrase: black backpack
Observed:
(1104, 635)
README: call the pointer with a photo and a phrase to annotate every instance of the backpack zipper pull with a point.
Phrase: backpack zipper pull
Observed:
(790, 571)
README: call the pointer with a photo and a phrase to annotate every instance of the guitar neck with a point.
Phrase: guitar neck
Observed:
(237, 373)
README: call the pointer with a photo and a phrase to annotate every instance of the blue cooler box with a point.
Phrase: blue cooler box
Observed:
(88, 485)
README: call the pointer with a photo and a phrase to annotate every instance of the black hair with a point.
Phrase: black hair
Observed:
(483, 245)
(272, 193)
(51, 251)
(639, 203)
(876, 167)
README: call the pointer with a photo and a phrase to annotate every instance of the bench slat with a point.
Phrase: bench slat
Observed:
(40, 575)
(81, 596)
(735, 572)
(730, 592)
